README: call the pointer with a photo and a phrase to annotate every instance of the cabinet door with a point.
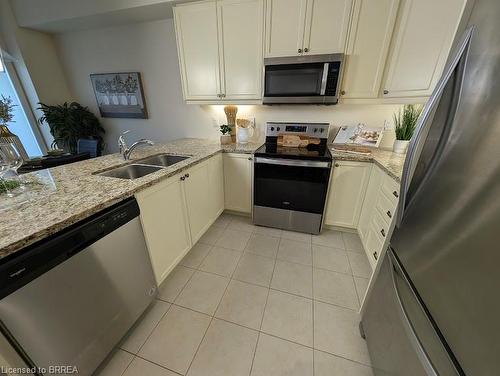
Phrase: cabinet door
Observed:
(347, 192)
(327, 23)
(241, 34)
(216, 185)
(370, 37)
(165, 224)
(196, 33)
(196, 188)
(367, 211)
(238, 182)
(285, 21)
(423, 36)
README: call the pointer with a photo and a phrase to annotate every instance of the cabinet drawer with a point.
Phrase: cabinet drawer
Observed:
(386, 208)
(380, 225)
(373, 245)
(390, 188)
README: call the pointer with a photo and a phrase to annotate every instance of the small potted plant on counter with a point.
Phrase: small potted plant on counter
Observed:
(226, 134)
(405, 122)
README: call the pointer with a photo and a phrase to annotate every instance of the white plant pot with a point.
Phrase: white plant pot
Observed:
(400, 146)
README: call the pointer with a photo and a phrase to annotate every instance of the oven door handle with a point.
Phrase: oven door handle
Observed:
(293, 162)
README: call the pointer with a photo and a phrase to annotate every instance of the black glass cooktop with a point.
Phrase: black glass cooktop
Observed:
(312, 152)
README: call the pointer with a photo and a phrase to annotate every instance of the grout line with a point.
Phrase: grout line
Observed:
(159, 365)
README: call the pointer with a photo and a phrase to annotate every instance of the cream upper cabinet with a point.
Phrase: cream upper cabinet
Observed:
(238, 182)
(241, 32)
(347, 191)
(326, 26)
(220, 47)
(285, 27)
(424, 32)
(196, 185)
(165, 224)
(196, 32)
(301, 27)
(368, 46)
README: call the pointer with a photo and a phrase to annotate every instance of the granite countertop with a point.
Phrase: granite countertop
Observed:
(73, 192)
(390, 162)
(77, 194)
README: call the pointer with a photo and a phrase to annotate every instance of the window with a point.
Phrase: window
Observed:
(21, 125)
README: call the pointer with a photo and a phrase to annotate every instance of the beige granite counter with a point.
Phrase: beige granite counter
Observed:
(390, 162)
(77, 193)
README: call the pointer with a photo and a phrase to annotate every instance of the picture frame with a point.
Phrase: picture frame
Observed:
(119, 95)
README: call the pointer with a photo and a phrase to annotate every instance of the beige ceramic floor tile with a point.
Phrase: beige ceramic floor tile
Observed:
(361, 286)
(234, 239)
(240, 223)
(295, 251)
(292, 278)
(352, 242)
(331, 365)
(263, 245)
(212, 235)
(174, 283)
(221, 261)
(226, 350)
(115, 364)
(359, 264)
(243, 304)
(333, 259)
(223, 220)
(336, 331)
(175, 340)
(278, 357)
(141, 367)
(289, 317)
(254, 269)
(196, 254)
(329, 238)
(297, 236)
(269, 231)
(140, 332)
(335, 288)
(203, 292)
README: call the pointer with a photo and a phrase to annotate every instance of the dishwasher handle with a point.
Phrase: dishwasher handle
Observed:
(25, 265)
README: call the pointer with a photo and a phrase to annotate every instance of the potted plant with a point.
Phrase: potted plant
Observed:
(226, 134)
(405, 122)
(69, 122)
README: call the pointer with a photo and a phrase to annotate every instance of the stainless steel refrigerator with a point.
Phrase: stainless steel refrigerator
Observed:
(434, 308)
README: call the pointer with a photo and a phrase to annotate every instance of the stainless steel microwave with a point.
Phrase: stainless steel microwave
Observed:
(311, 79)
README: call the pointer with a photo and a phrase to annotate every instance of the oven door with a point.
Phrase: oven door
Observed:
(297, 185)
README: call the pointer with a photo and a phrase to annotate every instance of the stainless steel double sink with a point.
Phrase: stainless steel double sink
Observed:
(143, 167)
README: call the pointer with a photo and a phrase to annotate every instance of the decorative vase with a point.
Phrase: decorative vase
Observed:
(243, 135)
(400, 146)
(7, 137)
(225, 139)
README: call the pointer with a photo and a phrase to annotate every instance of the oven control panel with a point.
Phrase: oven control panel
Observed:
(318, 130)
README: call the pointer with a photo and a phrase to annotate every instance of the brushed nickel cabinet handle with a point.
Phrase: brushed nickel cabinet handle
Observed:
(395, 193)
(306, 49)
(299, 50)
(186, 176)
(389, 214)
(375, 255)
(250, 158)
(386, 92)
(183, 178)
(382, 232)
(342, 92)
(336, 165)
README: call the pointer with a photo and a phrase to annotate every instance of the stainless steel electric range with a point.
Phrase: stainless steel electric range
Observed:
(291, 183)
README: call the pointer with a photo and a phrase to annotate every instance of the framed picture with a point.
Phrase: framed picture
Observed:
(120, 95)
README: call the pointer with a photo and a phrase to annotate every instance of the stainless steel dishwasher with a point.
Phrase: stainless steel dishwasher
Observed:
(68, 300)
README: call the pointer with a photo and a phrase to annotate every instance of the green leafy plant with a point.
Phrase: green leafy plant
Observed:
(69, 122)
(225, 129)
(6, 110)
(405, 121)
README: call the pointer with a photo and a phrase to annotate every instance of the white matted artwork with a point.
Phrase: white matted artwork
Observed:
(360, 135)
(119, 95)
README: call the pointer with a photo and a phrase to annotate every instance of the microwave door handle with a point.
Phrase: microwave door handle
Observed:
(419, 136)
(324, 79)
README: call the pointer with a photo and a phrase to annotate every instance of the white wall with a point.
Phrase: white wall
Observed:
(150, 48)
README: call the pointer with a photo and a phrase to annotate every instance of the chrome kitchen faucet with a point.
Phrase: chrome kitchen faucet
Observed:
(125, 150)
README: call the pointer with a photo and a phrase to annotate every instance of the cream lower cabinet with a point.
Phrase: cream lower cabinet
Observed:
(346, 194)
(176, 212)
(165, 223)
(238, 176)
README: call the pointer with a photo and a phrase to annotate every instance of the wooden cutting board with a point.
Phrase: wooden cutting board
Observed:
(296, 141)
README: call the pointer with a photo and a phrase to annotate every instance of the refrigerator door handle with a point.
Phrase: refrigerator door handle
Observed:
(419, 137)
(415, 342)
